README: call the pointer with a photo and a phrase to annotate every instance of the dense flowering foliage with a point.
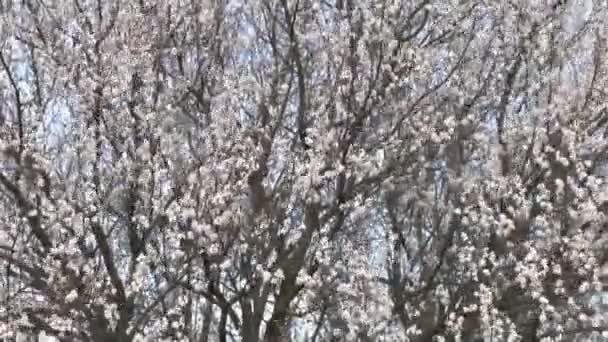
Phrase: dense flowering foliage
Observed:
(300, 170)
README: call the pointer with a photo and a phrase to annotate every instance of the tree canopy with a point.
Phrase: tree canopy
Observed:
(302, 170)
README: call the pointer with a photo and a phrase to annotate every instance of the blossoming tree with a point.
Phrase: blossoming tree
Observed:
(301, 170)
